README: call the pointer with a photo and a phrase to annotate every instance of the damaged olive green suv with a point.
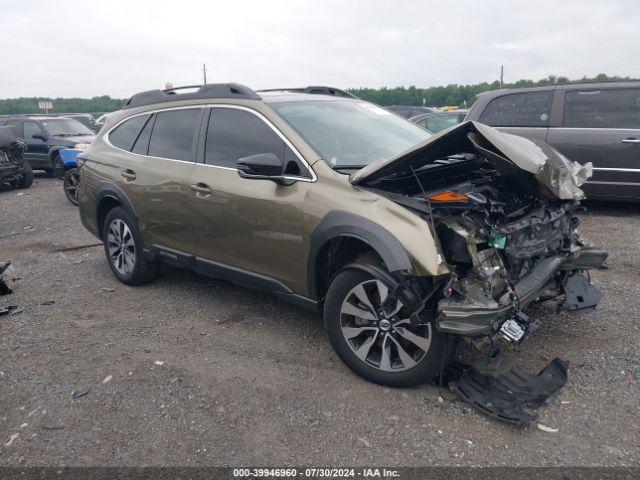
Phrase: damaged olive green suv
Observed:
(405, 240)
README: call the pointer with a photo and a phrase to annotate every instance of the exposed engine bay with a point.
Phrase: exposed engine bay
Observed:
(507, 239)
(502, 211)
(482, 222)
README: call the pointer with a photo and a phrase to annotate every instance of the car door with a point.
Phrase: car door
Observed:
(521, 113)
(157, 154)
(248, 227)
(602, 126)
(35, 137)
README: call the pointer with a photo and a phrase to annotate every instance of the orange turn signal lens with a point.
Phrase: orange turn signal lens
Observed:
(448, 197)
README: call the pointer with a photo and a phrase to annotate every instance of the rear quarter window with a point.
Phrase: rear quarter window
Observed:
(530, 109)
(126, 133)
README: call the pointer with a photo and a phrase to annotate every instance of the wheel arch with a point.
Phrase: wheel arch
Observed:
(339, 238)
(109, 196)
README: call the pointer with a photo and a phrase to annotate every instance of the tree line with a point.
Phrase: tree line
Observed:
(15, 106)
(458, 95)
(454, 94)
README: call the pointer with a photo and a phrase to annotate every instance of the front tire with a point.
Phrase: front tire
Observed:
(71, 184)
(123, 247)
(376, 340)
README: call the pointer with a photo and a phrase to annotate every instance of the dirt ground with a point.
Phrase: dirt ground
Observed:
(193, 371)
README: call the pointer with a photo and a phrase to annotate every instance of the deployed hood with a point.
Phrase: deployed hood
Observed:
(532, 164)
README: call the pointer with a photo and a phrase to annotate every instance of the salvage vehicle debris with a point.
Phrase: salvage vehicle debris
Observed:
(7, 310)
(544, 428)
(15, 171)
(498, 388)
(12, 437)
(80, 392)
(4, 288)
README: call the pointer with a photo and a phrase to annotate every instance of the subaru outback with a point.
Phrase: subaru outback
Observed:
(406, 241)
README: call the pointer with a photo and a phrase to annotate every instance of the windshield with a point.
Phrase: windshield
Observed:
(65, 127)
(349, 133)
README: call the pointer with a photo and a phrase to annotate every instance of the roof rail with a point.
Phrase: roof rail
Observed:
(210, 90)
(314, 89)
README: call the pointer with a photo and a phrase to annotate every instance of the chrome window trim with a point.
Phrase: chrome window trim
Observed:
(597, 128)
(617, 169)
(268, 122)
(511, 126)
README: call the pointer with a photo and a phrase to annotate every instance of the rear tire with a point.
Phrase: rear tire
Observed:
(27, 176)
(382, 347)
(123, 247)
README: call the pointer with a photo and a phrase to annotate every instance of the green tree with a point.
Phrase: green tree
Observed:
(456, 94)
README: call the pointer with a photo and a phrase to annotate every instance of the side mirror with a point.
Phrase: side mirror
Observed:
(40, 136)
(263, 166)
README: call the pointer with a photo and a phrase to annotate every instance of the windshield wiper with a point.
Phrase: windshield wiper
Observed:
(347, 167)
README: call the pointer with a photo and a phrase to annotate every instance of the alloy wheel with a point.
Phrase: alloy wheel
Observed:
(121, 247)
(71, 182)
(379, 331)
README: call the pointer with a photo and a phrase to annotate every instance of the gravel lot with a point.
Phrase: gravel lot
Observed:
(248, 379)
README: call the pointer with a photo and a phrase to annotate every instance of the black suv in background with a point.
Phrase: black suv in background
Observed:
(46, 136)
(589, 122)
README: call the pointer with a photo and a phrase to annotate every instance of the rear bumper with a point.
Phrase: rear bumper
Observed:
(473, 319)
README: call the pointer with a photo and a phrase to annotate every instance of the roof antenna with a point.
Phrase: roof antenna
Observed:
(204, 73)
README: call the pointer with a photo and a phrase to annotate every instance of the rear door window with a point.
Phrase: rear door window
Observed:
(125, 134)
(529, 109)
(233, 134)
(618, 108)
(174, 134)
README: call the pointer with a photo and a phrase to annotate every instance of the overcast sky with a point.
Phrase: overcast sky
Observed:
(59, 48)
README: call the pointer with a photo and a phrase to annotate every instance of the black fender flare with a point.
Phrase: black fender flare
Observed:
(338, 223)
(111, 190)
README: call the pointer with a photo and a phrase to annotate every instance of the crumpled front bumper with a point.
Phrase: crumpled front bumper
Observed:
(472, 319)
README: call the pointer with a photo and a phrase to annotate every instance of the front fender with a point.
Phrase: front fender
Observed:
(339, 223)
